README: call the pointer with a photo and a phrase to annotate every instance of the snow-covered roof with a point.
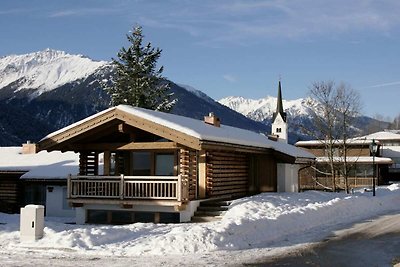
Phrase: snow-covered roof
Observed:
(356, 141)
(383, 135)
(43, 165)
(202, 131)
(361, 140)
(362, 159)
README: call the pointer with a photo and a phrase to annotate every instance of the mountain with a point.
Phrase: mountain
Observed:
(44, 71)
(297, 113)
(261, 110)
(43, 91)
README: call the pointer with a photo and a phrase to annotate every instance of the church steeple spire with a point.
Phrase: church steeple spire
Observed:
(279, 105)
(279, 123)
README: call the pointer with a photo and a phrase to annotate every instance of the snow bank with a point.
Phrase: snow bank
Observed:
(265, 220)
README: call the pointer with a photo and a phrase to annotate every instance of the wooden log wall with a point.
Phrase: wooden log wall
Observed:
(227, 174)
(10, 193)
(121, 163)
(88, 163)
(188, 170)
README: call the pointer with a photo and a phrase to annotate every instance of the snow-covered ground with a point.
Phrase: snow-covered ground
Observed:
(261, 225)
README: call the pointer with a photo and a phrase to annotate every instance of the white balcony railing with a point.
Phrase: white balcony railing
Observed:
(126, 187)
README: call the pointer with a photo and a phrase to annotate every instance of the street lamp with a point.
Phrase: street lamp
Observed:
(373, 148)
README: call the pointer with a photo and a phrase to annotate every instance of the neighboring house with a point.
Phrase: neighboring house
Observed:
(159, 166)
(27, 177)
(360, 162)
(389, 148)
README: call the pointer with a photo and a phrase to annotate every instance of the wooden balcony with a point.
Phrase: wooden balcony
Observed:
(127, 188)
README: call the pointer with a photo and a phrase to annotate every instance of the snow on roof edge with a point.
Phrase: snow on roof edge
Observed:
(199, 129)
(224, 133)
(76, 123)
(361, 159)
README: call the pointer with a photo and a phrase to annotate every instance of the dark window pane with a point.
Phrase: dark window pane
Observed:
(141, 163)
(165, 164)
(121, 217)
(169, 217)
(144, 217)
(97, 216)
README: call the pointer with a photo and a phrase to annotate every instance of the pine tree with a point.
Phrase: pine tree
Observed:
(137, 80)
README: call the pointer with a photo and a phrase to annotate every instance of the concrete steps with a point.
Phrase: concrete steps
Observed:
(211, 210)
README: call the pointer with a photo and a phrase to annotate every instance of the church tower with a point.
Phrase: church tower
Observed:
(279, 123)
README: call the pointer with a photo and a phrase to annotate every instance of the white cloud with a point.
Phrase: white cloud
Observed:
(384, 84)
(230, 78)
(82, 12)
(244, 21)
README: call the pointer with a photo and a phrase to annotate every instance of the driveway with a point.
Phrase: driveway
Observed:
(371, 243)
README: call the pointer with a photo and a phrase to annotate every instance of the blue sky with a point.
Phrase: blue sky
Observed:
(233, 47)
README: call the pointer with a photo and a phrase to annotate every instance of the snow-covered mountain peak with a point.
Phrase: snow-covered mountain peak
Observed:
(262, 109)
(45, 70)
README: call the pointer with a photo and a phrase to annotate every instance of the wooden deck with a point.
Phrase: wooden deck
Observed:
(127, 188)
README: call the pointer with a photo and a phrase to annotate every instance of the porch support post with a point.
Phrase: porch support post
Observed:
(69, 188)
(202, 174)
(179, 188)
(121, 187)
(107, 156)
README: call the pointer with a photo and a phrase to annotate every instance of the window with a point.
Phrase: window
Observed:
(113, 160)
(165, 164)
(364, 170)
(35, 194)
(141, 163)
(150, 163)
(278, 130)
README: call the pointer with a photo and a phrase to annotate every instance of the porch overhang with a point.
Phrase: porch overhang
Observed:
(114, 120)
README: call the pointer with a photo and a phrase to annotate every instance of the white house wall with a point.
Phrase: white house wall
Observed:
(56, 205)
(288, 179)
(392, 152)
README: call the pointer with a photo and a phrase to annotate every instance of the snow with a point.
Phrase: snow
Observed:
(202, 131)
(76, 124)
(266, 222)
(353, 141)
(206, 132)
(45, 70)
(50, 165)
(361, 159)
(383, 135)
(361, 140)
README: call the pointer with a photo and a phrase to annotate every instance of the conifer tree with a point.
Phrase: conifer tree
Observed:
(138, 81)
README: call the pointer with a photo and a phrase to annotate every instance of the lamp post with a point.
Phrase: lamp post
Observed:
(373, 148)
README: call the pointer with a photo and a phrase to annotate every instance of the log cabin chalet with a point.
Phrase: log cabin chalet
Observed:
(142, 165)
